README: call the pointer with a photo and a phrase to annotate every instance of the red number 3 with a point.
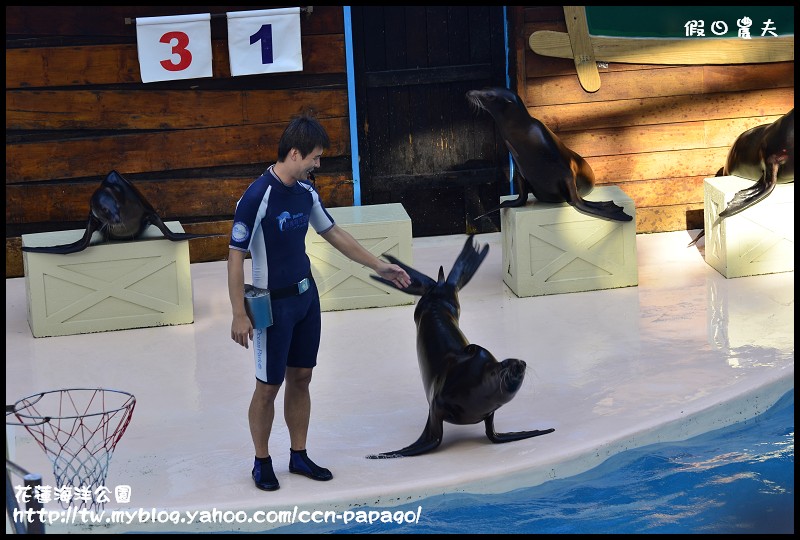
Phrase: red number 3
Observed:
(179, 48)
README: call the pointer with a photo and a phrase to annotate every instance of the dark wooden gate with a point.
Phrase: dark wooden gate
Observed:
(420, 143)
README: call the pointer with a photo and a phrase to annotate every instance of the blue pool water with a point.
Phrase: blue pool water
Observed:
(739, 479)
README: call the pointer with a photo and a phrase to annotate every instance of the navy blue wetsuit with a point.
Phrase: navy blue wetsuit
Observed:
(271, 221)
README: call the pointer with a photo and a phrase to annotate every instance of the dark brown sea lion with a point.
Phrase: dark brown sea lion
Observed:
(119, 212)
(463, 382)
(544, 165)
(764, 154)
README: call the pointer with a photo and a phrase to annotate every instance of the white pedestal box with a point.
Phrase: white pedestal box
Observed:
(108, 286)
(344, 284)
(758, 240)
(551, 248)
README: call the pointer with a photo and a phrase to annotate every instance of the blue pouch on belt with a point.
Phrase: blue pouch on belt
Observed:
(258, 305)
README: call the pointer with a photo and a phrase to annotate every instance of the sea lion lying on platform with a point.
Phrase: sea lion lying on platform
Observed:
(119, 212)
(544, 165)
(765, 154)
(463, 382)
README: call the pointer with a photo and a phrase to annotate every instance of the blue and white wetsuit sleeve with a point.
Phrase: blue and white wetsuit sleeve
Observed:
(319, 217)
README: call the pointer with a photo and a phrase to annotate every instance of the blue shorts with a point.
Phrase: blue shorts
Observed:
(293, 338)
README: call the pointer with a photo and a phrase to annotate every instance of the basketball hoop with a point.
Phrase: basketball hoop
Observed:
(78, 429)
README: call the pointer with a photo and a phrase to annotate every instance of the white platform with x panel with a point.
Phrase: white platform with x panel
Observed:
(344, 284)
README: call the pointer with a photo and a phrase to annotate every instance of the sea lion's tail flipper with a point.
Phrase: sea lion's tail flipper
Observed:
(521, 200)
(492, 211)
(420, 283)
(513, 435)
(604, 209)
(431, 438)
(467, 262)
(92, 225)
(176, 237)
(697, 238)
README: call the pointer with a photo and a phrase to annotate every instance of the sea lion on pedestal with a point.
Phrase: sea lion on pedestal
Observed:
(463, 382)
(765, 154)
(544, 165)
(119, 212)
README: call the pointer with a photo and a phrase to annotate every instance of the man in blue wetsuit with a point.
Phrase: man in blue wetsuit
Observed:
(270, 222)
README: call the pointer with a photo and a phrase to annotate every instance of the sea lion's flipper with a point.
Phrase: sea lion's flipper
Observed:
(420, 283)
(697, 238)
(747, 197)
(522, 188)
(431, 438)
(513, 435)
(603, 209)
(92, 225)
(467, 262)
(175, 237)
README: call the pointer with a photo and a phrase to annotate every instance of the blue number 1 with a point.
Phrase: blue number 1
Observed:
(264, 35)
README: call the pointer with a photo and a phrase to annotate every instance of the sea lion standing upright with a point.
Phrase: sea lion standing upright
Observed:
(544, 165)
(119, 212)
(463, 382)
(764, 154)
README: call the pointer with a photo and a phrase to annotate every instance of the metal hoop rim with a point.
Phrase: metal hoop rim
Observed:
(46, 418)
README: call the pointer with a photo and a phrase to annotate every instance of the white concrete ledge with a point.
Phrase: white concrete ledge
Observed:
(610, 370)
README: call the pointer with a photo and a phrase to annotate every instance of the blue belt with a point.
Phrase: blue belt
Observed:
(295, 289)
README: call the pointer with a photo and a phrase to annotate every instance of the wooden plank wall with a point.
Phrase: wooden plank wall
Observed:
(655, 131)
(76, 109)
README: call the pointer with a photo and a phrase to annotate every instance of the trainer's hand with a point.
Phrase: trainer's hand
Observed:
(242, 330)
(395, 274)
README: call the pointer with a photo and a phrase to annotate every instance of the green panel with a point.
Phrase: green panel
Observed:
(670, 21)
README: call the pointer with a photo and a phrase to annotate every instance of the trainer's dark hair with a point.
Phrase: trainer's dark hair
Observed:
(304, 133)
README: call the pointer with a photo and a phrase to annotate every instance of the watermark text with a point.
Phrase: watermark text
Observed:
(215, 516)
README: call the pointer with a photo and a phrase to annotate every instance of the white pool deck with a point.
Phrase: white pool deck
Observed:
(684, 352)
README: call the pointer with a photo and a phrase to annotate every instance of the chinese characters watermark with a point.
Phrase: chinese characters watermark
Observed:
(696, 28)
(68, 494)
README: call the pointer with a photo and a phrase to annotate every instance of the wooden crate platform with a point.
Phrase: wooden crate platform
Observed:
(108, 286)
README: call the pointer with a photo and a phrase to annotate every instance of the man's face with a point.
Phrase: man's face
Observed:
(307, 164)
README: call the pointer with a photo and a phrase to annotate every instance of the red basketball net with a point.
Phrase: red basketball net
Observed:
(78, 428)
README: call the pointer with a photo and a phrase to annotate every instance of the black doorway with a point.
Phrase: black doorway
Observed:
(420, 143)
